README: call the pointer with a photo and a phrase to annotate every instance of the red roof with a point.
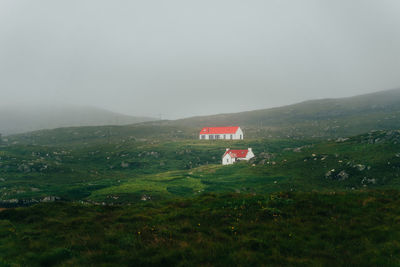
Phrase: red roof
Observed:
(239, 153)
(219, 130)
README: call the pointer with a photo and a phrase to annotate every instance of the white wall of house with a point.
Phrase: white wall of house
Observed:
(239, 134)
(227, 159)
(250, 154)
(236, 136)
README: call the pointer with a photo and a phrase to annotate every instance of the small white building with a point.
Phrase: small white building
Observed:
(231, 156)
(224, 133)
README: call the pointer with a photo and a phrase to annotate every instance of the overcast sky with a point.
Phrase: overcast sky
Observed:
(182, 58)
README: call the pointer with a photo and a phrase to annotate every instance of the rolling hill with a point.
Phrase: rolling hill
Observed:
(314, 118)
(321, 119)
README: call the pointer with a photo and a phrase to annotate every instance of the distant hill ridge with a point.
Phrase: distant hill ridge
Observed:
(16, 119)
(388, 100)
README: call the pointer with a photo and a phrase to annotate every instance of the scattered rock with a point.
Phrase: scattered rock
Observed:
(329, 173)
(333, 174)
(124, 164)
(265, 155)
(24, 168)
(145, 198)
(11, 201)
(366, 180)
(360, 167)
(50, 199)
(343, 175)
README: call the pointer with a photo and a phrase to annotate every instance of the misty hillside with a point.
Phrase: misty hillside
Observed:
(315, 118)
(15, 120)
(326, 118)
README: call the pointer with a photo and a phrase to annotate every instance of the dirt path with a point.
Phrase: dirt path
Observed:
(1, 209)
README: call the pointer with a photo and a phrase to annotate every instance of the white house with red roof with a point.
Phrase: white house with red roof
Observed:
(216, 133)
(233, 155)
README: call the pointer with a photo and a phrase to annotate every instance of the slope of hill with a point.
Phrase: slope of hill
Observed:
(24, 119)
(315, 118)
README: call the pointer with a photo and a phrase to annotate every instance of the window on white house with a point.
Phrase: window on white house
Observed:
(203, 136)
(211, 136)
(224, 136)
(231, 136)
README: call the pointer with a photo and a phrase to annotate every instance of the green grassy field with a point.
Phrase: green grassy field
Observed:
(126, 171)
(75, 172)
(297, 203)
(281, 229)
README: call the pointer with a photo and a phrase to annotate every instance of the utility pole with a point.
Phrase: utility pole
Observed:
(159, 121)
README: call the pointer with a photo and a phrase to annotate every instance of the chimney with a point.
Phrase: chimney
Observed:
(249, 149)
(227, 149)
